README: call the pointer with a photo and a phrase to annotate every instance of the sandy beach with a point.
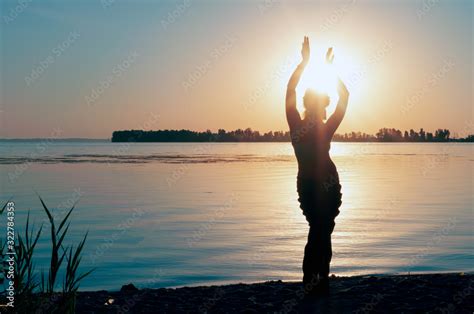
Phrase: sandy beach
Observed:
(427, 293)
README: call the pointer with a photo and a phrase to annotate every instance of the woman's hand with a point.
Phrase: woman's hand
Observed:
(342, 90)
(329, 56)
(305, 51)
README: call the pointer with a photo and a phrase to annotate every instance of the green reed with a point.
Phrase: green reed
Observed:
(41, 296)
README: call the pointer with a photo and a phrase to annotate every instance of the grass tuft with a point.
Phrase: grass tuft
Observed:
(27, 284)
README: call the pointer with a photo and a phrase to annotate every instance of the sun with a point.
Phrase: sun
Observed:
(323, 77)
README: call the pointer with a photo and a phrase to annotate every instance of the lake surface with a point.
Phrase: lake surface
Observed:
(162, 215)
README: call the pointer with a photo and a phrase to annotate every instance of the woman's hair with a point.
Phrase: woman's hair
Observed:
(315, 103)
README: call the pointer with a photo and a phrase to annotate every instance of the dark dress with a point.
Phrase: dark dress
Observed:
(319, 194)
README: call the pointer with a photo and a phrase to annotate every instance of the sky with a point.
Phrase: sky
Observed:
(87, 68)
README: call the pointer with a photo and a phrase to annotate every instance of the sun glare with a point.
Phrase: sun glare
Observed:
(323, 77)
(320, 77)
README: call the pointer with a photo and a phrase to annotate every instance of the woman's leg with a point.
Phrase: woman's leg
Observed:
(334, 198)
(326, 250)
(310, 261)
(317, 258)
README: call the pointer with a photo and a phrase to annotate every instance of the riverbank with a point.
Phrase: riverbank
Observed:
(436, 293)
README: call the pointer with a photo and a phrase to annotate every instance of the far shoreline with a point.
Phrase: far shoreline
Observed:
(88, 140)
(249, 135)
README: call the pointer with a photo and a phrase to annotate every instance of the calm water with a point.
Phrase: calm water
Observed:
(187, 214)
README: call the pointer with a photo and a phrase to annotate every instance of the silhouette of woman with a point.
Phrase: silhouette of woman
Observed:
(318, 185)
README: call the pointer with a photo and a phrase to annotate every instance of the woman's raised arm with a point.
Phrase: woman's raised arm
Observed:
(292, 114)
(336, 118)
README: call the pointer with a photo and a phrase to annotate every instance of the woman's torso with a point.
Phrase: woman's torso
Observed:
(312, 143)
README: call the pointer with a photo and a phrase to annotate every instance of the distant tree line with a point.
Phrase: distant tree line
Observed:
(249, 135)
(393, 135)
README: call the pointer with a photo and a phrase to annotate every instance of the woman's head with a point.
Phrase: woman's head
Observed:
(315, 104)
